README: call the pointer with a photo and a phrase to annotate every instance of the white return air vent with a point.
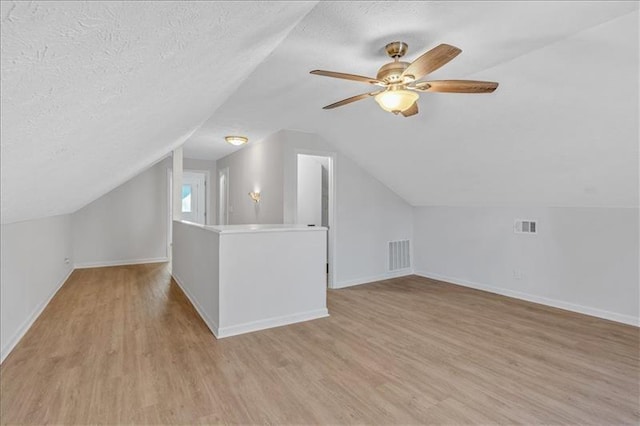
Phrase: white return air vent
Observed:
(399, 255)
(525, 227)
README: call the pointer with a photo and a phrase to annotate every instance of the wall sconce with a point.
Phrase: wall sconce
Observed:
(255, 196)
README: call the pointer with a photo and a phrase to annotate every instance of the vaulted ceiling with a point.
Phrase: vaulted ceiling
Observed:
(561, 129)
(94, 92)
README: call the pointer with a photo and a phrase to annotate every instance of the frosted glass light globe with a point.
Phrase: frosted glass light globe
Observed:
(396, 101)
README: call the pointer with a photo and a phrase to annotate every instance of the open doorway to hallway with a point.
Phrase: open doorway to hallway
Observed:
(194, 199)
(314, 197)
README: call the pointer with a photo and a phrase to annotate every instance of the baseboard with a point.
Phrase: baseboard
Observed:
(367, 280)
(586, 310)
(32, 318)
(120, 262)
(249, 327)
(211, 324)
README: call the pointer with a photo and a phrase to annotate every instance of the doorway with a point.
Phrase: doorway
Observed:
(194, 199)
(315, 197)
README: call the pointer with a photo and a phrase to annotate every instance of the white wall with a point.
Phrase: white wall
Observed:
(190, 164)
(195, 266)
(176, 183)
(582, 259)
(309, 190)
(32, 269)
(127, 225)
(257, 167)
(262, 287)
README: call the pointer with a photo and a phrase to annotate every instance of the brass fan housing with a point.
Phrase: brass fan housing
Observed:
(391, 73)
(396, 49)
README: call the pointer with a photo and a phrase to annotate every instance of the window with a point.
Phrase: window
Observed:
(186, 198)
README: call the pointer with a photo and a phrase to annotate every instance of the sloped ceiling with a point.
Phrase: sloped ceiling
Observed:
(93, 92)
(561, 130)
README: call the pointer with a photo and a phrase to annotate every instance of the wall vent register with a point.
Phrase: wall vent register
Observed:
(399, 255)
(525, 227)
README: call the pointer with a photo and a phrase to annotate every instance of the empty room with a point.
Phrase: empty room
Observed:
(320, 212)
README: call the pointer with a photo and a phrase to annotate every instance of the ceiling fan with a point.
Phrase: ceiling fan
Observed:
(399, 81)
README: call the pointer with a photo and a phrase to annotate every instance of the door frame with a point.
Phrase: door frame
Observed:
(170, 213)
(331, 234)
(223, 220)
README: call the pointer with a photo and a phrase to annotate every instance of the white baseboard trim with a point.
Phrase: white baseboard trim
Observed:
(586, 310)
(13, 341)
(249, 327)
(211, 324)
(368, 280)
(120, 262)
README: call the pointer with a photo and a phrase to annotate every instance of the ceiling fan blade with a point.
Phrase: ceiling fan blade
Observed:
(457, 86)
(351, 99)
(345, 76)
(413, 110)
(431, 61)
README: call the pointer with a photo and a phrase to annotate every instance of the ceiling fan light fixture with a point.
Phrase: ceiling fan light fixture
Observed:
(236, 140)
(399, 80)
(396, 101)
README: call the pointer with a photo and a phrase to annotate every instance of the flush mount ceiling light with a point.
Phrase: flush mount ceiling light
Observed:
(236, 140)
(399, 81)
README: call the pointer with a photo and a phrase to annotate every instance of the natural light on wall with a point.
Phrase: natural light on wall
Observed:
(186, 198)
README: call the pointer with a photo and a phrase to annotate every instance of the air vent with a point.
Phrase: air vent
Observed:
(399, 255)
(525, 227)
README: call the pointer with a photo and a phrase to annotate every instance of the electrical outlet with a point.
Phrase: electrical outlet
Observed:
(518, 274)
(67, 260)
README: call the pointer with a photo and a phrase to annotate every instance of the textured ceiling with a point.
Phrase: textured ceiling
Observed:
(93, 92)
(561, 130)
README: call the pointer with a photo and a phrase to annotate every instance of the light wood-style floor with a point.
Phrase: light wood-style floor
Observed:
(123, 345)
